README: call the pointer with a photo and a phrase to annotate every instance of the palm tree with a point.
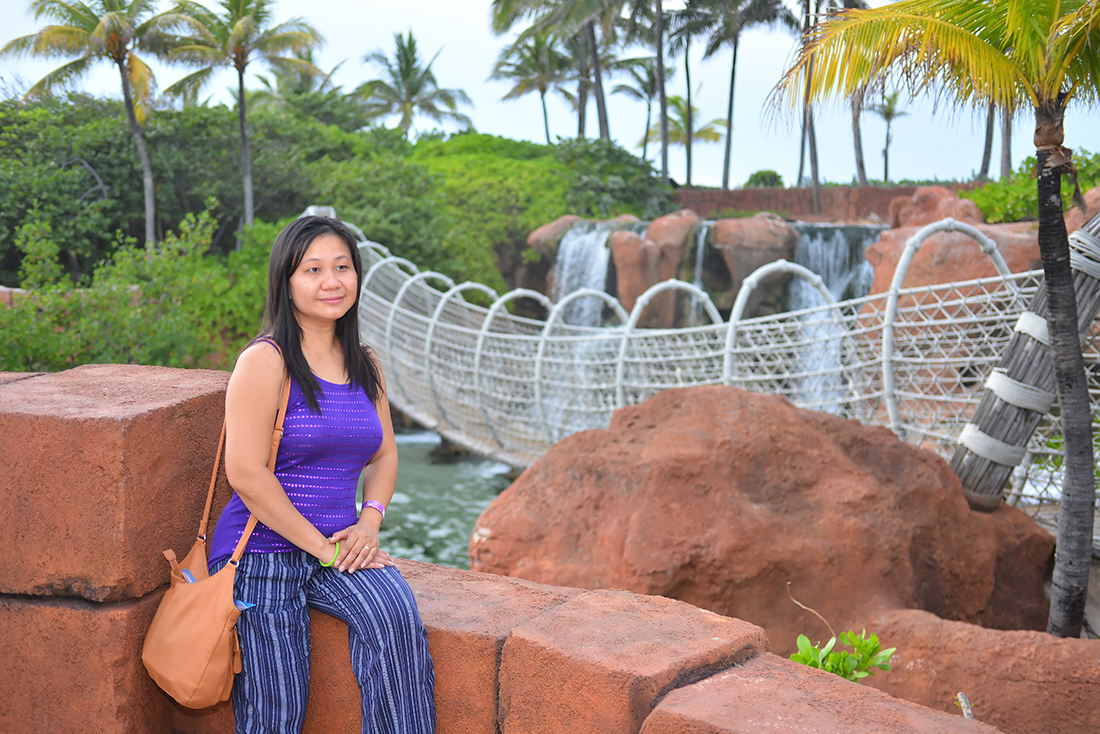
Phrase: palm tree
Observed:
(684, 25)
(1013, 53)
(677, 122)
(111, 30)
(724, 22)
(534, 63)
(233, 37)
(643, 72)
(987, 149)
(410, 88)
(889, 111)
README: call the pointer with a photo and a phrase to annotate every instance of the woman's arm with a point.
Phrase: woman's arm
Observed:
(359, 543)
(251, 406)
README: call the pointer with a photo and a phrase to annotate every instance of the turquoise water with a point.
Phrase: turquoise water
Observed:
(437, 501)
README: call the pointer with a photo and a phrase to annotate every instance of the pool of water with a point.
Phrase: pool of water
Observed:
(437, 501)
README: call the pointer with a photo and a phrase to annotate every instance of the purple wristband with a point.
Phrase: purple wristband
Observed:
(378, 506)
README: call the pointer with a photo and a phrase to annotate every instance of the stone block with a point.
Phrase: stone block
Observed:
(598, 662)
(75, 666)
(468, 617)
(106, 466)
(771, 694)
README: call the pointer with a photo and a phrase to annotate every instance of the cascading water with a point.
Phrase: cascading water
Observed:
(697, 276)
(836, 253)
(582, 261)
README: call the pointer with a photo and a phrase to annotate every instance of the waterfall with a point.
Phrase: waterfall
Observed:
(836, 253)
(582, 261)
(697, 277)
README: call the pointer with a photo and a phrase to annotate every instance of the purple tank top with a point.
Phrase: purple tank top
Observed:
(318, 464)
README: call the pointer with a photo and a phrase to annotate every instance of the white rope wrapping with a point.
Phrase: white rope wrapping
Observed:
(1019, 393)
(1033, 325)
(1086, 243)
(991, 448)
(1084, 264)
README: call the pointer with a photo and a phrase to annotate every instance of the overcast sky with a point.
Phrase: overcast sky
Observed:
(926, 145)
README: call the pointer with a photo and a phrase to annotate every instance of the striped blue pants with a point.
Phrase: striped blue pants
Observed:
(388, 645)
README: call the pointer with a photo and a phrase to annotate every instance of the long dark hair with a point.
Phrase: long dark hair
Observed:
(281, 326)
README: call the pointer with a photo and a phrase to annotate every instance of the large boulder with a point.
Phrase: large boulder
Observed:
(930, 204)
(1022, 682)
(641, 263)
(747, 244)
(545, 239)
(1075, 218)
(720, 497)
(951, 257)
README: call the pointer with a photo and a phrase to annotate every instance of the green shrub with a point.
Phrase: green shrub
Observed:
(764, 179)
(866, 654)
(1016, 199)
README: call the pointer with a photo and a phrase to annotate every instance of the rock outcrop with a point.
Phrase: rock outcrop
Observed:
(1075, 218)
(642, 262)
(930, 204)
(720, 497)
(747, 244)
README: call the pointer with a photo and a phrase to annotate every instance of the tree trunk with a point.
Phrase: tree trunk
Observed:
(811, 140)
(987, 151)
(582, 86)
(545, 119)
(729, 120)
(857, 137)
(886, 157)
(1006, 145)
(690, 123)
(143, 156)
(1073, 554)
(246, 161)
(659, 32)
(601, 101)
(648, 122)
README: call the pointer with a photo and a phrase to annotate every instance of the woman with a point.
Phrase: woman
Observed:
(309, 550)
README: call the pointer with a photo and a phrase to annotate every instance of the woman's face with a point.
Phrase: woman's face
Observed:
(323, 287)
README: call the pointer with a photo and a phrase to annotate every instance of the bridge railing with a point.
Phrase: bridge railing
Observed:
(509, 387)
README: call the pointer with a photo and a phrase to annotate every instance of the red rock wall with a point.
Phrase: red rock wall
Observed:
(838, 203)
(107, 465)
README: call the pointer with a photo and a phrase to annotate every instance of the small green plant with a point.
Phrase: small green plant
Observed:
(764, 179)
(866, 654)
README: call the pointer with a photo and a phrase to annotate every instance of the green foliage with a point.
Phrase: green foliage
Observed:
(1016, 199)
(866, 654)
(167, 305)
(608, 181)
(764, 179)
(40, 267)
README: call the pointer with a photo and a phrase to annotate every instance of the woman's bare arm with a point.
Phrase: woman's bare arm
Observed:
(251, 406)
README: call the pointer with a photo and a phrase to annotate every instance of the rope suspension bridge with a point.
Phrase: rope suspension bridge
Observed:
(916, 360)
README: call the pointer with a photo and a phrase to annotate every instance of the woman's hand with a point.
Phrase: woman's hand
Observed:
(359, 548)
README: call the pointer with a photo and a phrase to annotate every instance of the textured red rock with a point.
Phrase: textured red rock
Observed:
(74, 666)
(545, 239)
(107, 466)
(719, 497)
(598, 662)
(771, 694)
(642, 262)
(746, 244)
(951, 257)
(931, 204)
(1075, 218)
(1023, 682)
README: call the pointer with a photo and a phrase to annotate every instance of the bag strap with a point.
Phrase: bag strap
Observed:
(276, 438)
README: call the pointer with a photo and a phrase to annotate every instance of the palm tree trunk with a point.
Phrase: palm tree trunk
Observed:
(659, 32)
(729, 121)
(545, 119)
(601, 101)
(582, 86)
(648, 122)
(1006, 144)
(246, 161)
(690, 124)
(811, 140)
(143, 156)
(987, 151)
(1073, 555)
(857, 137)
(886, 156)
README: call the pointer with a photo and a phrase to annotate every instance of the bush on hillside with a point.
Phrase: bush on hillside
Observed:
(1016, 199)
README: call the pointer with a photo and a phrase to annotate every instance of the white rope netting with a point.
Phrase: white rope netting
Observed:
(510, 387)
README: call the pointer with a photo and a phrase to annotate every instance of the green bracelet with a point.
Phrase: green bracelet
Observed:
(334, 556)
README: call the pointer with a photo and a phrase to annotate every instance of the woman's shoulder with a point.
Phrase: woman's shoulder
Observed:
(260, 360)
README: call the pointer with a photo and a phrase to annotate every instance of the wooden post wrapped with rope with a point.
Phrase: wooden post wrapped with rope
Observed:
(1021, 390)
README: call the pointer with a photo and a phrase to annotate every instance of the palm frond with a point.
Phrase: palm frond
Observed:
(61, 77)
(68, 13)
(191, 83)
